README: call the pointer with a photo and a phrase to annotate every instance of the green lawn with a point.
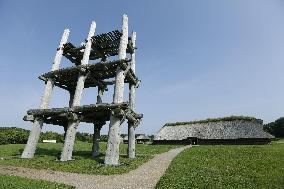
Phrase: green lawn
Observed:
(227, 166)
(15, 182)
(47, 155)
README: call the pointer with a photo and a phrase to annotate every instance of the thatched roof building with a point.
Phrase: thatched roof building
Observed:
(227, 130)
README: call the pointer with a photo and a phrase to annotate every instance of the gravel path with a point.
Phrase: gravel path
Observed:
(144, 177)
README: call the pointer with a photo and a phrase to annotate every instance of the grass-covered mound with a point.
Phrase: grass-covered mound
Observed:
(47, 154)
(13, 182)
(243, 166)
(230, 118)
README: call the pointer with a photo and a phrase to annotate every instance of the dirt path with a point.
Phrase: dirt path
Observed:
(144, 177)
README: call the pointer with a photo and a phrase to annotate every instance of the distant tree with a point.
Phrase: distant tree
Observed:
(49, 135)
(151, 137)
(84, 137)
(104, 138)
(275, 128)
(13, 135)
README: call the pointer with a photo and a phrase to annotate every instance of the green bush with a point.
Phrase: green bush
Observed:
(13, 135)
(275, 128)
(49, 135)
(84, 137)
(104, 138)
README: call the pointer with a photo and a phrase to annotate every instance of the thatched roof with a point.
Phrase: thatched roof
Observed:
(214, 130)
(210, 120)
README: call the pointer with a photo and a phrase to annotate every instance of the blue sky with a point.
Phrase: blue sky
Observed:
(196, 59)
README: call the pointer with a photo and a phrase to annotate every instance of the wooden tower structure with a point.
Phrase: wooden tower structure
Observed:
(117, 72)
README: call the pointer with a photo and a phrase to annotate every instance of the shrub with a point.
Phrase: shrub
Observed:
(275, 128)
(104, 138)
(49, 135)
(84, 137)
(13, 135)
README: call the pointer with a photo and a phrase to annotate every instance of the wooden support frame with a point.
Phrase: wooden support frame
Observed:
(85, 75)
(37, 124)
(132, 90)
(112, 153)
(73, 124)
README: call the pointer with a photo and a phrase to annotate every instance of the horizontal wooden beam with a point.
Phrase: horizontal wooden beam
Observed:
(87, 113)
(66, 78)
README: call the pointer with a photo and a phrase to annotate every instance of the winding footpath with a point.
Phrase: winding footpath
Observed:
(144, 177)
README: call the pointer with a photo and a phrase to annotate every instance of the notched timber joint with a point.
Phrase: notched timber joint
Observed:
(137, 84)
(72, 116)
(28, 118)
(83, 71)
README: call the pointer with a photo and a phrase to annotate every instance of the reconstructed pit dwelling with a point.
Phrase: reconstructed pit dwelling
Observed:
(227, 130)
(84, 75)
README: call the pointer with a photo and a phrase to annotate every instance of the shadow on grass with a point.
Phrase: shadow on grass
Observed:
(77, 155)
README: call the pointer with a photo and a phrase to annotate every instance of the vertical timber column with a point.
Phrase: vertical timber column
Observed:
(37, 124)
(97, 127)
(131, 129)
(112, 153)
(71, 98)
(100, 95)
(96, 137)
(72, 94)
(73, 124)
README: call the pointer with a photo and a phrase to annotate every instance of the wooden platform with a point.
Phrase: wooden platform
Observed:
(67, 78)
(103, 46)
(87, 113)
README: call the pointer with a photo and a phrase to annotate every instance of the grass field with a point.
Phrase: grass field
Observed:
(14, 182)
(227, 166)
(47, 155)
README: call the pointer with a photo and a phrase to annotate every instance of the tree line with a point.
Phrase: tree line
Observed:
(14, 135)
(275, 128)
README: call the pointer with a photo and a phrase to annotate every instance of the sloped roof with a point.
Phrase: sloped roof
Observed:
(214, 130)
(210, 120)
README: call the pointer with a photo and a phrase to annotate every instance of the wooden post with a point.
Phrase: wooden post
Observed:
(65, 131)
(73, 124)
(100, 95)
(96, 137)
(112, 153)
(131, 129)
(37, 124)
(72, 94)
(97, 127)
(71, 98)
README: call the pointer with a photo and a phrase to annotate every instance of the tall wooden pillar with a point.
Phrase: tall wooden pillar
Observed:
(131, 129)
(96, 137)
(37, 124)
(71, 98)
(97, 126)
(100, 94)
(112, 153)
(73, 124)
